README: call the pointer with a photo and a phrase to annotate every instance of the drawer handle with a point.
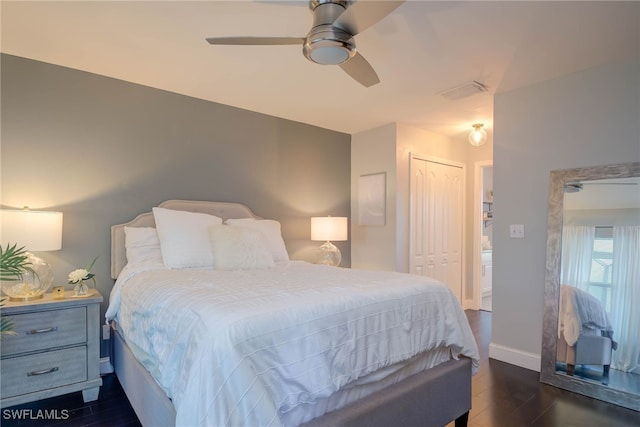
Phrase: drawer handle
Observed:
(42, 372)
(42, 331)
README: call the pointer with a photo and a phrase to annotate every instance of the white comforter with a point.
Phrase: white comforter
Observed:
(582, 313)
(239, 348)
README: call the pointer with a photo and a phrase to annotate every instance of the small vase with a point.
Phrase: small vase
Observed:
(81, 289)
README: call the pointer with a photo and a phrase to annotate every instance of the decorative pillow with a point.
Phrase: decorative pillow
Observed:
(184, 237)
(142, 245)
(239, 248)
(271, 230)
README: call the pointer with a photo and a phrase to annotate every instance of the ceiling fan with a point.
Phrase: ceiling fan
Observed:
(331, 38)
(575, 187)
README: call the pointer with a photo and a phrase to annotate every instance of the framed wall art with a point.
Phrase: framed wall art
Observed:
(372, 199)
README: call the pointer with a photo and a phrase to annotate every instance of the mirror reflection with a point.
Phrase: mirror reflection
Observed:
(598, 336)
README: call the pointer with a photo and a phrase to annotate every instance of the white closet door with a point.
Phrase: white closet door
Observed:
(436, 222)
(417, 251)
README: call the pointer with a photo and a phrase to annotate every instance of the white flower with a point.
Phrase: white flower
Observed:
(81, 274)
(78, 275)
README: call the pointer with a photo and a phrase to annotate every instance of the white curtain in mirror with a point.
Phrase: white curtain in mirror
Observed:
(577, 251)
(625, 296)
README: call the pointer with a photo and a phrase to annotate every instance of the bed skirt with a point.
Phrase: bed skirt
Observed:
(432, 398)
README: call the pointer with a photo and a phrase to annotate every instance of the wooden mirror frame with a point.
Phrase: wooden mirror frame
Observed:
(548, 372)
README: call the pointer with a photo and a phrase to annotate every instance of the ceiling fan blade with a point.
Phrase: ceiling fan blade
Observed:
(610, 183)
(363, 14)
(255, 41)
(360, 70)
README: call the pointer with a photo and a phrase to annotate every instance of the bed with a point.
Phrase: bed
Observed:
(585, 335)
(263, 340)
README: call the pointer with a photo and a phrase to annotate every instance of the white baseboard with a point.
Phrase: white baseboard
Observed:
(516, 357)
(105, 366)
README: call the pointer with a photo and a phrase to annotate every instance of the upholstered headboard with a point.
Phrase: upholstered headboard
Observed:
(220, 209)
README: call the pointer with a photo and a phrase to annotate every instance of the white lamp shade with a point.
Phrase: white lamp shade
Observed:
(33, 230)
(329, 228)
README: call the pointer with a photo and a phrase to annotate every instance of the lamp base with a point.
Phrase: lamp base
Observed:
(329, 254)
(33, 283)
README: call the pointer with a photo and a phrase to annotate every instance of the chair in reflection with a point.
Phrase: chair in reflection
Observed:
(585, 336)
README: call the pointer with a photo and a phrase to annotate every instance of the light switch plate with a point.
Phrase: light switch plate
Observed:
(516, 231)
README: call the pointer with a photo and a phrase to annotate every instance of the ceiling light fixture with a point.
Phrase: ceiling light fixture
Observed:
(478, 136)
(329, 46)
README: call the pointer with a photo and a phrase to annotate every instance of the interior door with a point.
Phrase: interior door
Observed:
(436, 222)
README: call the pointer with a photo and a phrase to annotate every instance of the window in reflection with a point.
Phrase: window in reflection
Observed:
(601, 266)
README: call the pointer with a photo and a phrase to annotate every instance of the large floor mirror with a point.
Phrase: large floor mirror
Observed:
(591, 331)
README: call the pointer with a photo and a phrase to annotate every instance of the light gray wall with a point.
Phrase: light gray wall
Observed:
(584, 119)
(374, 151)
(102, 151)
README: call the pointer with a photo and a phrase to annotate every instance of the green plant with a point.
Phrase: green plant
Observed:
(6, 324)
(14, 263)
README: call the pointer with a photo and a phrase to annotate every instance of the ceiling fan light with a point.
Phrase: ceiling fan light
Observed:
(329, 46)
(329, 55)
(478, 136)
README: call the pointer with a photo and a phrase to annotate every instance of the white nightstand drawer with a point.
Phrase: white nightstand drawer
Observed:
(46, 329)
(36, 372)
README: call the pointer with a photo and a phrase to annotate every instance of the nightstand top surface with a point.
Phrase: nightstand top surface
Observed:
(47, 302)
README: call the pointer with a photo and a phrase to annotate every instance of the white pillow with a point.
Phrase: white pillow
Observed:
(184, 237)
(271, 230)
(142, 245)
(239, 248)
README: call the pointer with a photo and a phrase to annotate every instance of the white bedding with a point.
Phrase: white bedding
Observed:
(582, 314)
(248, 347)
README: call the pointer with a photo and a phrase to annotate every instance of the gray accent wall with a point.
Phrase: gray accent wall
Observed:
(103, 150)
(589, 118)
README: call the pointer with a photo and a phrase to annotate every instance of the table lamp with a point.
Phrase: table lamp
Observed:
(35, 231)
(326, 229)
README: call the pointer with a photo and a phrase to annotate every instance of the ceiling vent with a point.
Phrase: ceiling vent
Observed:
(464, 91)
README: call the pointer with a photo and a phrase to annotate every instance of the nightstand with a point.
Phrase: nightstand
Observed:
(56, 349)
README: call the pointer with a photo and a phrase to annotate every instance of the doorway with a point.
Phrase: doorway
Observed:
(483, 236)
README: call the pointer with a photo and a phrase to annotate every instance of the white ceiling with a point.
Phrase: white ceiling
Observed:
(420, 50)
(620, 193)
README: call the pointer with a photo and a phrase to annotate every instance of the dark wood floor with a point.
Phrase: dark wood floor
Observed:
(503, 396)
(112, 409)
